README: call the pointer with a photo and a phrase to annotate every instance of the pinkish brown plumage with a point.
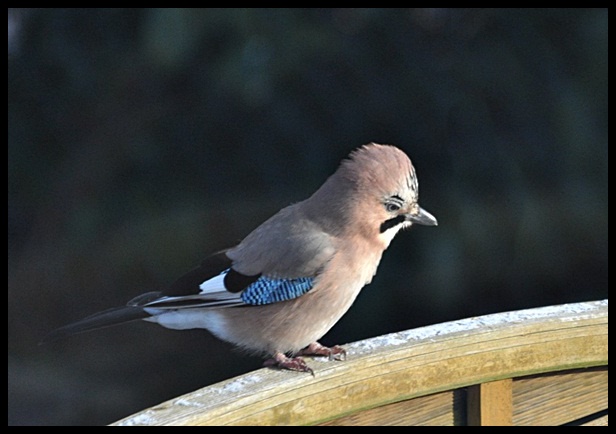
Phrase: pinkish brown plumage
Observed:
(290, 280)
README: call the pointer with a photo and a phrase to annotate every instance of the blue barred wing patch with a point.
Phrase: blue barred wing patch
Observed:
(267, 290)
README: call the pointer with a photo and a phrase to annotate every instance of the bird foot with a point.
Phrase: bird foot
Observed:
(316, 349)
(291, 363)
(282, 361)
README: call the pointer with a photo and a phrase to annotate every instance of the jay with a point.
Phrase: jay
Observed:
(291, 279)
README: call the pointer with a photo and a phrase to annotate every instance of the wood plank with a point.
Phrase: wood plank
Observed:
(539, 400)
(559, 398)
(439, 409)
(400, 366)
(490, 404)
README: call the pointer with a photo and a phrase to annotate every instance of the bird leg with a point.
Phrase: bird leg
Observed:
(316, 349)
(281, 361)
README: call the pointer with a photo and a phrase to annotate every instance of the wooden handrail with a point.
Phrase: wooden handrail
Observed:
(402, 366)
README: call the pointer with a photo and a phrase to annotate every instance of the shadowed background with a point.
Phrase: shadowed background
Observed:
(140, 141)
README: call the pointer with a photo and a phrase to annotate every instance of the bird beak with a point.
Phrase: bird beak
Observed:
(422, 217)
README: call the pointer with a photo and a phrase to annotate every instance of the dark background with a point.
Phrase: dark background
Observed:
(140, 141)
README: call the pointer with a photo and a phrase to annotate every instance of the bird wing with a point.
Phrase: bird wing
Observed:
(278, 261)
(288, 245)
(199, 288)
(214, 293)
(212, 284)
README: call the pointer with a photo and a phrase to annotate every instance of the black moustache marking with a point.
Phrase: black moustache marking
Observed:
(392, 222)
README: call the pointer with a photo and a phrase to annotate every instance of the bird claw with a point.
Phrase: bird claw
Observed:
(282, 361)
(290, 363)
(316, 349)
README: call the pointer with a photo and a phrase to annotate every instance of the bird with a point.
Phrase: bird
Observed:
(290, 280)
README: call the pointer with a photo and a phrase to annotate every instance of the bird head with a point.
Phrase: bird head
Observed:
(375, 191)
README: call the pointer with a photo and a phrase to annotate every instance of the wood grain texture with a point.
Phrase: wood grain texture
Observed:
(491, 403)
(439, 409)
(549, 399)
(400, 366)
(559, 398)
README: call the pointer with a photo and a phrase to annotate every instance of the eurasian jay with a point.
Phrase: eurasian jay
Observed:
(291, 279)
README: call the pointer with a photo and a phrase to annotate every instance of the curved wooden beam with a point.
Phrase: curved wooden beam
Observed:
(400, 366)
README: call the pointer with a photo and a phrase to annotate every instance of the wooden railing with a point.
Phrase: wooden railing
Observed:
(544, 366)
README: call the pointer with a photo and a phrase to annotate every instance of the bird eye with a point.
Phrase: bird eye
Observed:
(392, 207)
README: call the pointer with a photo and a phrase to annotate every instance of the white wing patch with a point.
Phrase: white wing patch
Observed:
(213, 294)
(214, 285)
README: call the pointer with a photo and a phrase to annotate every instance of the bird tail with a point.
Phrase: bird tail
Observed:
(116, 315)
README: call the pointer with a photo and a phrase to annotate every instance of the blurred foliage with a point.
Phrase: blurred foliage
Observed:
(141, 140)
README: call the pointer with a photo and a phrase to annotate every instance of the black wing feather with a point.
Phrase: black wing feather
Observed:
(237, 282)
(211, 266)
(189, 283)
